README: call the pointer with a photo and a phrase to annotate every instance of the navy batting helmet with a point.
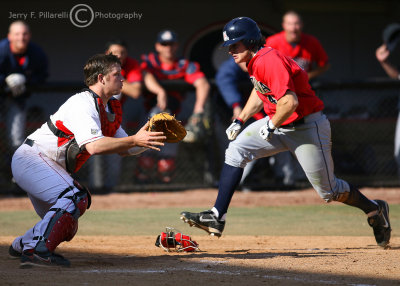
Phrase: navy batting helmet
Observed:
(241, 29)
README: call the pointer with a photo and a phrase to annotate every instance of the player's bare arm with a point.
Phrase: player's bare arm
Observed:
(253, 105)
(202, 89)
(382, 55)
(155, 87)
(132, 89)
(285, 107)
(143, 138)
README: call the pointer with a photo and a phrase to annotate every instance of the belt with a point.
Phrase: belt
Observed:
(309, 118)
(29, 142)
(295, 123)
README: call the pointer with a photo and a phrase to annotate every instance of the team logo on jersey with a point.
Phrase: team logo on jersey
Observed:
(94, 131)
(259, 86)
(263, 89)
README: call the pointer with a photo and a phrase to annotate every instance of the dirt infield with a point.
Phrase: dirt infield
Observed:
(230, 260)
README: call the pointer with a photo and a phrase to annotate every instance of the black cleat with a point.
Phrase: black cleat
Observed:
(14, 254)
(205, 220)
(30, 258)
(381, 224)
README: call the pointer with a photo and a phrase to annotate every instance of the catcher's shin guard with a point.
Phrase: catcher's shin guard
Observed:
(64, 225)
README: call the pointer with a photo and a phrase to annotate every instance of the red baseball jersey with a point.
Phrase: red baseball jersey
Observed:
(180, 69)
(308, 51)
(131, 70)
(273, 74)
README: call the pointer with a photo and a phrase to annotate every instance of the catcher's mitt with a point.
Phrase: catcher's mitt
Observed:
(172, 128)
(173, 239)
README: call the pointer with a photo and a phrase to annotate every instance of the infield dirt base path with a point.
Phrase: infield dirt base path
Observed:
(230, 260)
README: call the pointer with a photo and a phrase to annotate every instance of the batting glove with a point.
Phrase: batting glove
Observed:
(16, 83)
(267, 130)
(234, 129)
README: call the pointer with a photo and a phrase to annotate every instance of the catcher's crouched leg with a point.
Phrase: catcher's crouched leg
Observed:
(63, 225)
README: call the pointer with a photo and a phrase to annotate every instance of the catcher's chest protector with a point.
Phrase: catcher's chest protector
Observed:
(75, 157)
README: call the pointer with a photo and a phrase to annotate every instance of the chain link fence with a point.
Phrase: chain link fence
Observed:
(362, 114)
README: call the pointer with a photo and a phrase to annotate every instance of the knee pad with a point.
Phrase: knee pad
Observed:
(81, 199)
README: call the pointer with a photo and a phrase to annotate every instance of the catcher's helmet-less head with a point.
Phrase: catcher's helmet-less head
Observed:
(241, 29)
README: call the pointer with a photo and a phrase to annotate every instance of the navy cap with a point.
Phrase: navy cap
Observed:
(167, 36)
(391, 36)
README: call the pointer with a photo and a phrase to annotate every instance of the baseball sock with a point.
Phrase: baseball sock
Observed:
(228, 181)
(358, 200)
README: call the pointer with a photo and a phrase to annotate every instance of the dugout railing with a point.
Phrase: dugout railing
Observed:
(363, 116)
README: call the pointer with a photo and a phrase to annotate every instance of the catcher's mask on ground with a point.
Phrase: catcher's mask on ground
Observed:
(173, 239)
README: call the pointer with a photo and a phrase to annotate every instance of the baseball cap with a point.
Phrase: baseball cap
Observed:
(391, 36)
(166, 36)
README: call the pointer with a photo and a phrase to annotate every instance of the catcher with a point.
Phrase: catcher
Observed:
(87, 124)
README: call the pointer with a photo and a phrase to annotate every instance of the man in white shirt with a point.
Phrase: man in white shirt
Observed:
(87, 124)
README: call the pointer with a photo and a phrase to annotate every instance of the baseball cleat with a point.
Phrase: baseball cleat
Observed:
(381, 224)
(13, 253)
(204, 220)
(30, 258)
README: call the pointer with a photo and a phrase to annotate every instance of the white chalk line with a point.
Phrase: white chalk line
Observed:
(220, 272)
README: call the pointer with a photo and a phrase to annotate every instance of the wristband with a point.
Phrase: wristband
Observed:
(238, 121)
(236, 104)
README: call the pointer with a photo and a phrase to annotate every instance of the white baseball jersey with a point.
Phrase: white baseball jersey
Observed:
(80, 116)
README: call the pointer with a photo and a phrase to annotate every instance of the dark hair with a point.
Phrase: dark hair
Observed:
(118, 42)
(254, 45)
(98, 64)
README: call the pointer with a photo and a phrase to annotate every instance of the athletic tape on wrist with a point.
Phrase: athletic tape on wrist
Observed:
(239, 121)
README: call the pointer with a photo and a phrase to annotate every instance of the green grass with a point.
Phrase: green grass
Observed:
(289, 220)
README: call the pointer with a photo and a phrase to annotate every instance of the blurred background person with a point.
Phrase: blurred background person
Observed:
(105, 170)
(166, 65)
(391, 36)
(305, 49)
(23, 64)
(308, 53)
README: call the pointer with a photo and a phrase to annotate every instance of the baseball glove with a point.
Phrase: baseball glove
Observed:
(173, 239)
(167, 123)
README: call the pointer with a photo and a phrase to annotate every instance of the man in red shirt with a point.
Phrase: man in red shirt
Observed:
(309, 54)
(294, 123)
(130, 69)
(166, 65)
(305, 49)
